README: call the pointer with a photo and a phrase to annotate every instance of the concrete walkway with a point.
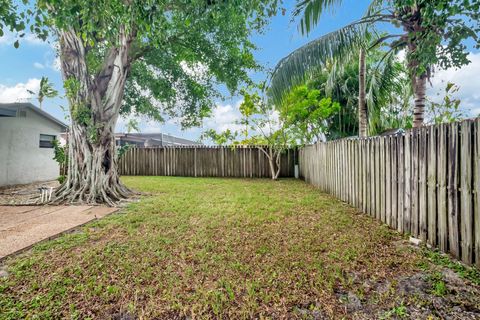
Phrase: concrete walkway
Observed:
(23, 226)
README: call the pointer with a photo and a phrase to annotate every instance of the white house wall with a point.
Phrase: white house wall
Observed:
(21, 159)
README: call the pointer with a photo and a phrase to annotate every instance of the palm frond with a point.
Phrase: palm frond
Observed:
(377, 6)
(301, 64)
(384, 85)
(337, 69)
(311, 11)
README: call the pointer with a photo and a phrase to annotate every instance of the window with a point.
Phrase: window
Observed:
(46, 141)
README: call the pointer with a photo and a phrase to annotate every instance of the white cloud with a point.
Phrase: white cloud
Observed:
(31, 38)
(224, 117)
(19, 92)
(9, 38)
(467, 78)
(273, 124)
(38, 65)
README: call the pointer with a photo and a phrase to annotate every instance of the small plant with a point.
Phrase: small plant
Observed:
(398, 311)
(61, 179)
(448, 109)
(60, 155)
(439, 287)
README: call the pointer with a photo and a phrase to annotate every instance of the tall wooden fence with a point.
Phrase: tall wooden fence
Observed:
(425, 182)
(241, 161)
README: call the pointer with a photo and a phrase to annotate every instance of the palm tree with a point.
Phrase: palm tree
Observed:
(329, 53)
(46, 90)
(362, 106)
(300, 64)
(384, 84)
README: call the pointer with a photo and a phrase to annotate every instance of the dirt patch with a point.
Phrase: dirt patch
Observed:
(25, 194)
(434, 293)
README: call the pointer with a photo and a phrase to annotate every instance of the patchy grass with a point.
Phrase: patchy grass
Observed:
(396, 312)
(469, 273)
(216, 248)
(439, 287)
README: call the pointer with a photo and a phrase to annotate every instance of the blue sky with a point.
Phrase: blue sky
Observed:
(22, 68)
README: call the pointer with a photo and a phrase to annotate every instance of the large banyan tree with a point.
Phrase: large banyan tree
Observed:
(146, 57)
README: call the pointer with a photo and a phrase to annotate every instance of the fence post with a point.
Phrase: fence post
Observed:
(466, 214)
(195, 161)
(476, 192)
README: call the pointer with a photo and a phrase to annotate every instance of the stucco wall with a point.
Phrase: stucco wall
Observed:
(21, 159)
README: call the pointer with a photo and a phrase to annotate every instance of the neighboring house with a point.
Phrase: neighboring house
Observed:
(26, 144)
(143, 140)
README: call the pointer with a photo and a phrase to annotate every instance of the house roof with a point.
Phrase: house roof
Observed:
(155, 137)
(10, 109)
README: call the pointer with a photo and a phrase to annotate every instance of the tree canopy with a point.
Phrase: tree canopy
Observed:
(180, 50)
(434, 34)
(10, 19)
(141, 57)
(305, 114)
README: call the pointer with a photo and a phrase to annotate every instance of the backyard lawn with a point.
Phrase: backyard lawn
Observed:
(232, 248)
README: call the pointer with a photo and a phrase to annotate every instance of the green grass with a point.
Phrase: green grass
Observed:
(208, 248)
(439, 287)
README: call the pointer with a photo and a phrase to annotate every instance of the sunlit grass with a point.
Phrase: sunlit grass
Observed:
(208, 248)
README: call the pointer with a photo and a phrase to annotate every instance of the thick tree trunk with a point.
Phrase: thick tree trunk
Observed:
(92, 169)
(420, 86)
(362, 106)
(95, 101)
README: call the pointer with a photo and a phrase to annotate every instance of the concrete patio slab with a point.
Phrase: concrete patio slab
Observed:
(12, 216)
(23, 226)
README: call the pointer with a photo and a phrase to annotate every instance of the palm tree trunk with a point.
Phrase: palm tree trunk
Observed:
(362, 106)
(420, 86)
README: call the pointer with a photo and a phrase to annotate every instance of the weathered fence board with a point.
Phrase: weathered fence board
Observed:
(452, 190)
(415, 184)
(241, 162)
(388, 182)
(422, 184)
(394, 183)
(432, 186)
(407, 205)
(466, 226)
(442, 188)
(425, 182)
(476, 191)
(400, 155)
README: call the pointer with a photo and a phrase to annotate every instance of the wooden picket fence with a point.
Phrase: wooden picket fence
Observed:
(200, 161)
(425, 182)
